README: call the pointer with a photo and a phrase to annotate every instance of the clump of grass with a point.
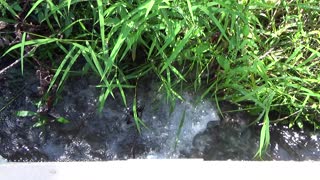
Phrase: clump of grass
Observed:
(278, 69)
(262, 55)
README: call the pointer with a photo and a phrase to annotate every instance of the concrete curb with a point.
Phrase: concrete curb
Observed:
(160, 169)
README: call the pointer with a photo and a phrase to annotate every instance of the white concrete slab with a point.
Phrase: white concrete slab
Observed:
(160, 169)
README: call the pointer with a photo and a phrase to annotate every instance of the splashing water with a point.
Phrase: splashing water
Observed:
(192, 129)
(189, 117)
(101, 136)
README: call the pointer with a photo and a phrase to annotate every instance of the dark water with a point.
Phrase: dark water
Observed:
(112, 135)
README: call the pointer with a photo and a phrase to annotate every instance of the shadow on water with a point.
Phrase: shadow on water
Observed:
(111, 135)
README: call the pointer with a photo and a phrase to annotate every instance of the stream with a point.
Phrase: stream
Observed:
(194, 129)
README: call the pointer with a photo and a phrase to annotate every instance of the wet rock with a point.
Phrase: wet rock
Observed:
(294, 144)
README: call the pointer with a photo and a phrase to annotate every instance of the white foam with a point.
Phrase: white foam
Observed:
(164, 126)
(2, 160)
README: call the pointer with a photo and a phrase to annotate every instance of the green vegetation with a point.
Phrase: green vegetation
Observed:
(42, 119)
(262, 55)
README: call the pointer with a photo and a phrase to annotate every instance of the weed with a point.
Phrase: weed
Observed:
(262, 55)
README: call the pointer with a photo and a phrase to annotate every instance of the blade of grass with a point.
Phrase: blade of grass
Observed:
(177, 50)
(216, 21)
(54, 10)
(121, 38)
(190, 10)
(171, 36)
(102, 26)
(25, 113)
(9, 8)
(66, 71)
(33, 8)
(122, 92)
(148, 6)
(31, 42)
(181, 123)
(23, 40)
(265, 131)
(69, 4)
(264, 135)
(58, 71)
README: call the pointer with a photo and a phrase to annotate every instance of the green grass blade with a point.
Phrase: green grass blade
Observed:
(135, 115)
(63, 120)
(25, 113)
(66, 71)
(181, 123)
(95, 60)
(69, 4)
(264, 135)
(122, 92)
(103, 97)
(54, 10)
(177, 50)
(190, 10)
(216, 21)
(148, 6)
(177, 73)
(23, 40)
(9, 8)
(102, 26)
(170, 39)
(121, 38)
(60, 68)
(31, 42)
(33, 8)
(265, 131)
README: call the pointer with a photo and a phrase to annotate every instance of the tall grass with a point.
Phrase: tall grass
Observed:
(261, 55)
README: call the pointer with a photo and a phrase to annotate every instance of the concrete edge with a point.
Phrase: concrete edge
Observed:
(160, 169)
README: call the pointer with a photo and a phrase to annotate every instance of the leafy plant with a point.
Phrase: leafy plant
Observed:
(261, 55)
(42, 119)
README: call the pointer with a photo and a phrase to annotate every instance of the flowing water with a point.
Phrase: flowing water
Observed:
(192, 130)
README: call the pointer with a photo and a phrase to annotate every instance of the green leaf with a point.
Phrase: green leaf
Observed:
(190, 10)
(245, 30)
(66, 71)
(264, 135)
(121, 38)
(41, 122)
(9, 8)
(136, 118)
(216, 21)
(177, 50)
(122, 92)
(17, 7)
(223, 62)
(31, 42)
(62, 120)
(180, 128)
(23, 40)
(33, 8)
(148, 6)
(69, 3)
(102, 24)
(26, 113)
(58, 71)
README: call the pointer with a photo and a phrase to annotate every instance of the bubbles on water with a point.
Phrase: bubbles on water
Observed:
(2, 160)
(165, 130)
(314, 137)
(192, 130)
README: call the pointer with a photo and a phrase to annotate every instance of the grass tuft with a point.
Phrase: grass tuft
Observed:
(262, 55)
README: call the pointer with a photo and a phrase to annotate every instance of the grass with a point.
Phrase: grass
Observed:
(260, 54)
